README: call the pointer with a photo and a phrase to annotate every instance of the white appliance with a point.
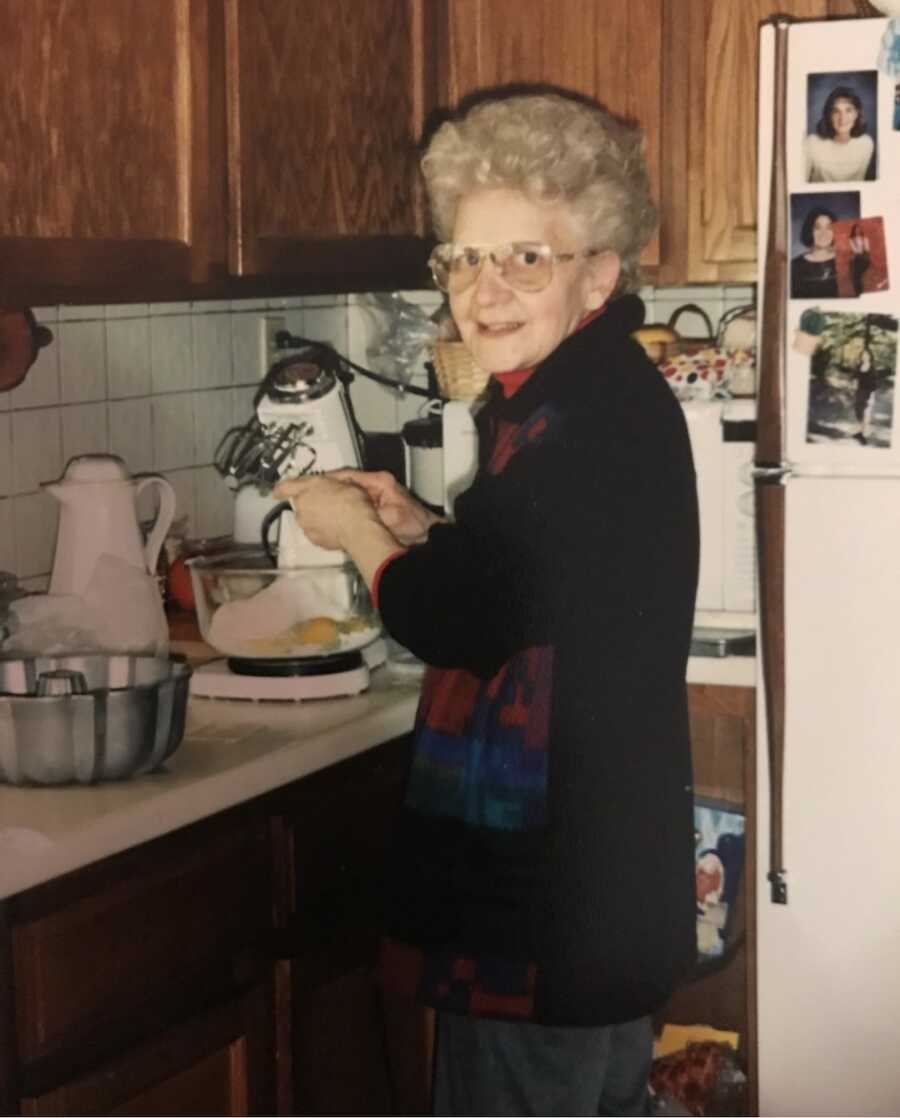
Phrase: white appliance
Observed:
(302, 423)
(828, 513)
(722, 434)
(216, 680)
(442, 452)
(98, 517)
(460, 445)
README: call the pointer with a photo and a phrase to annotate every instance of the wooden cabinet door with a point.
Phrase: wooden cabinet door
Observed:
(608, 49)
(332, 834)
(325, 106)
(103, 965)
(105, 167)
(220, 1062)
(709, 133)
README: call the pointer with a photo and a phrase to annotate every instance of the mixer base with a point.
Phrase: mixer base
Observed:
(324, 677)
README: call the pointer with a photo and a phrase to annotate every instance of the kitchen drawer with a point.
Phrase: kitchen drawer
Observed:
(106, 955)
(220, 1061)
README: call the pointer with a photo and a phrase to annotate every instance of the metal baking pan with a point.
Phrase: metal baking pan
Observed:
(83, 719)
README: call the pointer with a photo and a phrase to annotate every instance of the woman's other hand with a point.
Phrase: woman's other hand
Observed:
(404, 517)
(328, 510)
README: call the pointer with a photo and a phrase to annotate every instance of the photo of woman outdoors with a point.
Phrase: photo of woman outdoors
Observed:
(840, 145)
(851, 385)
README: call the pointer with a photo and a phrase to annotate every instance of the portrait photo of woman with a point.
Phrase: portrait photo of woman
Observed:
(814, 272)
(840, 143)
(814, 263)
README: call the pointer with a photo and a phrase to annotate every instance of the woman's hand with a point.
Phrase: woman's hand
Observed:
(329, 511)
(405, 518)
(339, 514)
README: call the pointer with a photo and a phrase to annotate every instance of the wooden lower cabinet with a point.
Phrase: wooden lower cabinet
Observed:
(228, 968)
(335, 829)
(723, 740)
(219, 1062)
(224, 969)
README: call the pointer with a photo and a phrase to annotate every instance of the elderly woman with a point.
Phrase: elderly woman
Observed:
(840, 149)
(541, 891)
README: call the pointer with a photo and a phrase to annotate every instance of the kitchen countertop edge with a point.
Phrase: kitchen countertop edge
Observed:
(231, 753)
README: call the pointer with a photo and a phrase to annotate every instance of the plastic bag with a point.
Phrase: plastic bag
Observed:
(126, 608)
(121, 611)
(405, 329)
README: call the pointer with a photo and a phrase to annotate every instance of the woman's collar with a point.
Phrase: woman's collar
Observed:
(511, 380)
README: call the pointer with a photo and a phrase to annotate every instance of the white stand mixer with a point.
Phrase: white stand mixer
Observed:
(303, 424)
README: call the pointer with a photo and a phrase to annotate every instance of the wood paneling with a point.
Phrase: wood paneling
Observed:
(325, 104)
(105, 126)
(608, 49)
(709, 125)
(163, 926)
(219, 1062)
(142, 153)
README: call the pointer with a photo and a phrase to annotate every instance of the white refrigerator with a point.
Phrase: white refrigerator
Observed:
(827, 481)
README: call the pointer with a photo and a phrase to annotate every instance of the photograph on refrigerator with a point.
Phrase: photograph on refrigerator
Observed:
(851, 376)
(889, 62)
(719, 856)
(841, 143)
(814, 259)
(861, 257)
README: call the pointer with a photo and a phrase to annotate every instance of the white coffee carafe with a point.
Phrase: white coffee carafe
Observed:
(98, 517)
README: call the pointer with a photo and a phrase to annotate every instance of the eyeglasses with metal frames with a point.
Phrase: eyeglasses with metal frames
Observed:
(524, 265)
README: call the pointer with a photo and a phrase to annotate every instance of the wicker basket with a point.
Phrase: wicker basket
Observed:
(691, 343)
(458, 377)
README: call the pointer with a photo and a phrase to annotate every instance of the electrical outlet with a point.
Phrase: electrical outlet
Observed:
(269, 325)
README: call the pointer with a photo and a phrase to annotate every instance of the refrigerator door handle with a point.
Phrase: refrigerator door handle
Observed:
(771, 473)
(770, 506)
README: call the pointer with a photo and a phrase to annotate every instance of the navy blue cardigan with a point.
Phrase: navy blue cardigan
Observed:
(543, 864)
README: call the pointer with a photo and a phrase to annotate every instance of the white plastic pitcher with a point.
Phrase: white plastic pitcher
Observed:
(98, 516)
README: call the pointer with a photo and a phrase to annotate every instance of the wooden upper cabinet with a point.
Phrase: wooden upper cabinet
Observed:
(709, 126)
(105, 162)
(608, 49)
(326, 103)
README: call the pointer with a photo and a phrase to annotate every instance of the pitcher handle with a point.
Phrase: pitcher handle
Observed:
(164, 517)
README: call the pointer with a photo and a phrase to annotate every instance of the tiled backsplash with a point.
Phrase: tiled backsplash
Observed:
(159, 384)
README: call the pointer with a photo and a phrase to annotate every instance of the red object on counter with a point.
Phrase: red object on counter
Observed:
(180, 588)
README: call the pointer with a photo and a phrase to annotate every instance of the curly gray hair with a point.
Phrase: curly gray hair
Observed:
(551, 147)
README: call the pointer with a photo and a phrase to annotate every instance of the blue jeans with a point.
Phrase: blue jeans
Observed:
(486, 1067)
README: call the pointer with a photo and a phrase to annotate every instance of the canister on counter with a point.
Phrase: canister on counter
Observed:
(424, 441)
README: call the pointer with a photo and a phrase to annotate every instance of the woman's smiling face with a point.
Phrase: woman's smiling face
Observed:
(503, 328)
(844, 115)
(823, 232)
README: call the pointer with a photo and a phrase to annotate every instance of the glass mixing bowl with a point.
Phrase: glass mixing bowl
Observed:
(249, 609)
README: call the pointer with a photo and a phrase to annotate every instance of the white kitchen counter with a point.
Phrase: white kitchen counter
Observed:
(231, 752)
